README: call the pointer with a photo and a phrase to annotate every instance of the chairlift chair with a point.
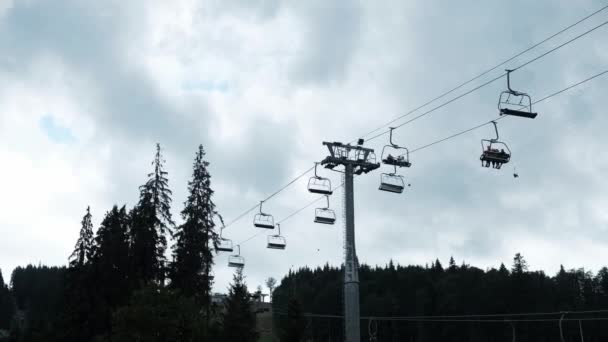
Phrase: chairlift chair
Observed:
(276, 241)
(263, 220)
(393, 154)
(392, 182)
(236, 260)
(224, 245)
(325, 215)
(319, 185)
(494, 152)
(515, 103)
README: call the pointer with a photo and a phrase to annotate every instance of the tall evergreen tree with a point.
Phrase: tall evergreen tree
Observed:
(7, 306)
(196, 238)
(111, 257)
(238, 319)
(84, 246)
(150, 223)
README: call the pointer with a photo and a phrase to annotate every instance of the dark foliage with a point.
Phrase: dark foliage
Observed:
(433, 291)
(157, 314)
(150, 223)
(83, 251)
(238, 320)
(293, 323)
(38, 293)
(7, 306)
(196, 239)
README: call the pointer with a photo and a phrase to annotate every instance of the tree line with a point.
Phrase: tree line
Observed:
(432, 290)
(119, 284)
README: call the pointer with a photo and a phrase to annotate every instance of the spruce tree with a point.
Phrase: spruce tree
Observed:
(150, 223)
(7, 307)
(111, 257)
(196, 238)
(84, 246)
(238, 319)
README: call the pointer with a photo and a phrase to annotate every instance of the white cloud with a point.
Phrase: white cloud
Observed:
(261, 84)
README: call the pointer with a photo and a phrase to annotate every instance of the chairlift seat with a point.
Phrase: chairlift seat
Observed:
(493, 156)
(276, 242)
(225, 245)
(399, 162)
(325, 216)
(391, 188)
(520, 113)
(320, 185)
(236, 261)
(262, 220)
(325, 220)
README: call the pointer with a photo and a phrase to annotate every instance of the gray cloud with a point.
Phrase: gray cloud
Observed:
(299, 72)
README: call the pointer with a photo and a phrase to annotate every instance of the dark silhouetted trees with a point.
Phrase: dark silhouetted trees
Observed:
(150, 223)
(412, 291)
(238, 320)
(158, 314)
(83, 251)
(190, 271)
(7, 307)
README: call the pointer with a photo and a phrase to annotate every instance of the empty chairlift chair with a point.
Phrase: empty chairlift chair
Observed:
(494, 153)
(236, 260)
(223, 244)
(276, 241)
(392, 182)
(515, 103)
(319, 185)
(263, 220)
(325, 215)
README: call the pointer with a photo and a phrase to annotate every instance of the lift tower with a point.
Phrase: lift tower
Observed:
(356, 160)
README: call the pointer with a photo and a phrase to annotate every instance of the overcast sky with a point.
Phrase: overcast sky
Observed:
(88, 87)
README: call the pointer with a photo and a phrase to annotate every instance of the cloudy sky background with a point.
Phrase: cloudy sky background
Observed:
(88, 87)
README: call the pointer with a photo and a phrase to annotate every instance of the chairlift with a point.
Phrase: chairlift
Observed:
(392, 182)
(276, 241)
(224, 245)
(319, 185)
(236, 260)
(263, 220)
(494, 152)
(515, 103)
(393, 154)
(325, 215)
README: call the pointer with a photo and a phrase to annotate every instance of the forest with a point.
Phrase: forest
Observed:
(455, 303)
(120, 285)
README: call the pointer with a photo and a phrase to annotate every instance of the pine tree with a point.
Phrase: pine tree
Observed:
(150, 223)
(452, 264)
(84, 246)
(196, 238)
(111, 257)
(519, 264)
(7, 307)
(238, 320)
